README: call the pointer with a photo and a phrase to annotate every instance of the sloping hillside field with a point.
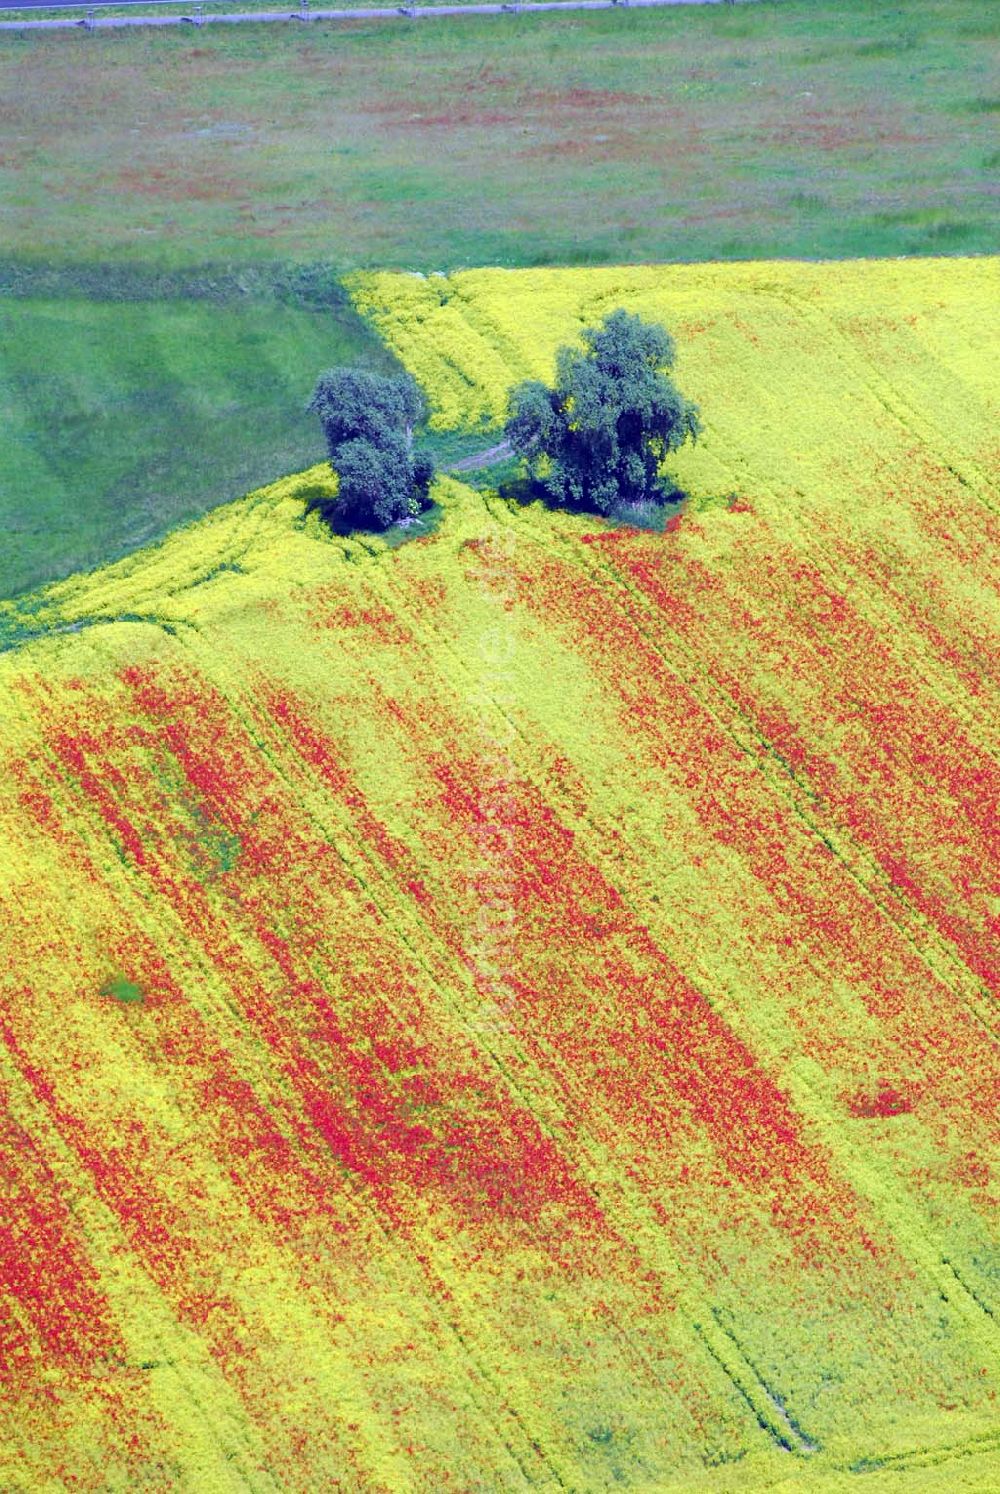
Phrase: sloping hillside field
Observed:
(517, 1009)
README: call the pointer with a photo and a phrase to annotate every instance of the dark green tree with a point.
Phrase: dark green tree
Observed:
(601, 436)
(368, 420)
(354, 404)
(375, 482)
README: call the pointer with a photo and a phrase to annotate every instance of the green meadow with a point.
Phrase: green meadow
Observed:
(123, 419)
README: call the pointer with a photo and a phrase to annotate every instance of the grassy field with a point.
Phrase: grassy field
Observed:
(789, 129)
(124, 418)
(512, 1010)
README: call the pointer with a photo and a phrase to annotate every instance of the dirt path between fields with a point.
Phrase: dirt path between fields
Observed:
(484, 458)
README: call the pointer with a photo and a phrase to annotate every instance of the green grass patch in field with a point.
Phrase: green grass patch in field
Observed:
(122, 990)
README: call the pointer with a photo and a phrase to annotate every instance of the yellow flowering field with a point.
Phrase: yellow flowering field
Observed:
(790, 361)
(516, 1009)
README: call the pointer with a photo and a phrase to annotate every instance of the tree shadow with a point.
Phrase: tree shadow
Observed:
(418, 526)
(316, 497)
(335, 521)
(653, 515)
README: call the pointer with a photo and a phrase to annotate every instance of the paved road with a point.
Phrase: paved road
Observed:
(410, 11)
